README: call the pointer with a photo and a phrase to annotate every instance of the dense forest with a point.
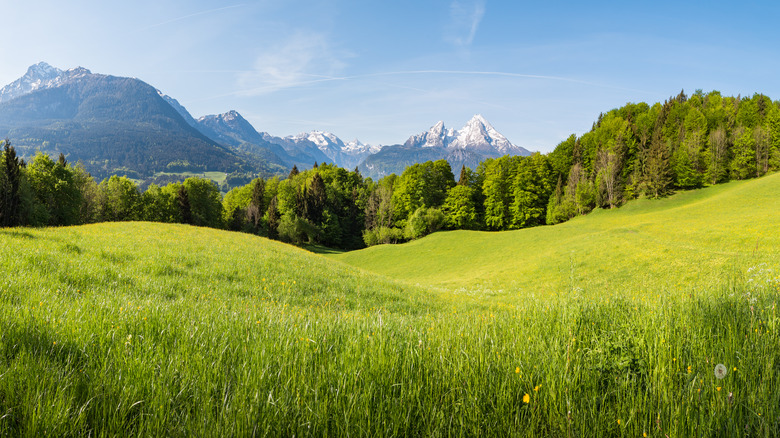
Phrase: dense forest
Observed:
(634, 151)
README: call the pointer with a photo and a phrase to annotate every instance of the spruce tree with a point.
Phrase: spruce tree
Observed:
(9, 187)
(463, 180)
(293, 172)
(256, 206)
(315, 200)
(273, 219)
(183, 202)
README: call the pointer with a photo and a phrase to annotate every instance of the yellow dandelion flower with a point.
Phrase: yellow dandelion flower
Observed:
(526, 399)
(618, 421)
(718, 388)
(517, 370)
(536, 388)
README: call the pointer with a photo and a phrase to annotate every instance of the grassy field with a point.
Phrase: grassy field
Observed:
(692, 239)
(609, 325)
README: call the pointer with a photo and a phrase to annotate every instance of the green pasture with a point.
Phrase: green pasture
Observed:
(608, 325)
(691, 239)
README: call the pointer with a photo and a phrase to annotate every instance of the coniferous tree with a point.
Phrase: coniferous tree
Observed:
(273, 218)
(10, 181)
(256, 207)
(315, 200)
(293, 172)
(183, 202)
(464, 176)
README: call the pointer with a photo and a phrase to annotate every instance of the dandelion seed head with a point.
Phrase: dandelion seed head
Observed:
(721, 371)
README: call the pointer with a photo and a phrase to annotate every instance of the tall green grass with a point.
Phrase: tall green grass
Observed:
(141, 329)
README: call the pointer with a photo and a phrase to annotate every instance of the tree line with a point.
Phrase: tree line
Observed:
(634, 151)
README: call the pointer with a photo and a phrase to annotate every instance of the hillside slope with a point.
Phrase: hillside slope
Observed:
(688, 238)
(171, 261)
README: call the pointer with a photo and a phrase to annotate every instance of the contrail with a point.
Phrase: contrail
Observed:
(322, 78)
(191, 15)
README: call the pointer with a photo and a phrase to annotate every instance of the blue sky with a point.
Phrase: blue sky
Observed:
(380, 71)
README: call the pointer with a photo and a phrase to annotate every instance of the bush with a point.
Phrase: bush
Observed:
(423, 222)
(382, 235)
(296, 230)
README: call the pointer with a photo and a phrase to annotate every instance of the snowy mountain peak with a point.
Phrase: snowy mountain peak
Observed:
(38, 76)
(325, 141)
(77, 72)
(478, 135)
(41, 71)
(437, 136)
(231, 115)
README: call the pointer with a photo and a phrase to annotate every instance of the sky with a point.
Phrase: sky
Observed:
(380, 71)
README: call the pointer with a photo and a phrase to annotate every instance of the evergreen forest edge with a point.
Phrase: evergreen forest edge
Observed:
(634, 151)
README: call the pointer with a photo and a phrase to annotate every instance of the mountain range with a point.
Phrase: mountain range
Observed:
(118, 125)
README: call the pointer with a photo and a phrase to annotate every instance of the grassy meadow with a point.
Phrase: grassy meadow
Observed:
(690, 240)
(607, 325)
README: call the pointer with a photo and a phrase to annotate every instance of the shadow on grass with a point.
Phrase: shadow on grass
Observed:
(38, 342)
(17, 233)
(319, 249)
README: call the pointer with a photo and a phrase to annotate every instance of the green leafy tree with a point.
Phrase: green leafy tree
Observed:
(55, 188)
(89, 210)
(773, 126)
(496, 187)
(763, 146)
(717, 156)
(120, 200)
(688, 159)
(379, 207)
(421, 185)
(158, 204)
(236, 206)
(743, 162)
(205, 202)
(531, 190)
(657, 170)
(422, 222)
(459, 209)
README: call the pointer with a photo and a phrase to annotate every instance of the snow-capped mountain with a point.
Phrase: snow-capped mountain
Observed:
(467, 146)
(113, 125)
(474, 142)
(332, 148)
(40, 77)
(478, 135)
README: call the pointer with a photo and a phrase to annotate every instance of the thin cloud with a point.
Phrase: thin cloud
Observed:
(292, 63)
(299, 79)
(184, 17)
(465, 19)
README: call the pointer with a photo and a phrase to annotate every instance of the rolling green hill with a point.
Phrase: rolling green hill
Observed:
(692, 238)
(142, 329)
